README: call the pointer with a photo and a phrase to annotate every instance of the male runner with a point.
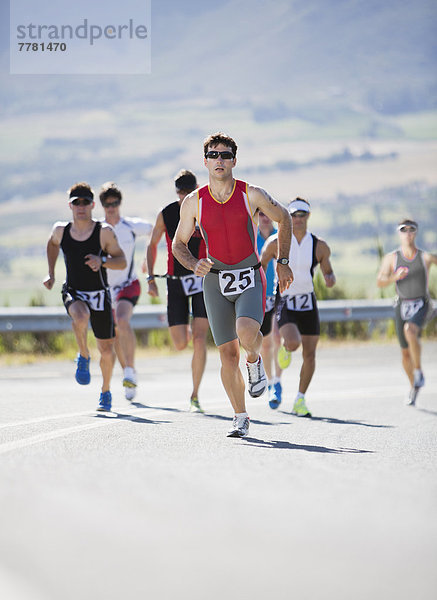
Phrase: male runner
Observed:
(226, 211)
(89, 248)
(269, 328)
(408, 269)
(182, 285)
(124, 284)
(297, 313)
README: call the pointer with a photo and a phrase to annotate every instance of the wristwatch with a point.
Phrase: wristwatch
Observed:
(283, 261)
(103, 259)
(150, 278)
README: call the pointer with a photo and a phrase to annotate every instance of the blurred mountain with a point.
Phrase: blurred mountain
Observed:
(276, 57)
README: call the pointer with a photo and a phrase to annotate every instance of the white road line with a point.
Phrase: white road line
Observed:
(46, 418)
(44, 437)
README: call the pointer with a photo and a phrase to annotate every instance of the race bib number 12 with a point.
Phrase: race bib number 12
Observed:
(300, 303)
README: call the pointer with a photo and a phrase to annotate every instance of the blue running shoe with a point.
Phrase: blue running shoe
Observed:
(275, 395)
(83, 370)
(105, 401)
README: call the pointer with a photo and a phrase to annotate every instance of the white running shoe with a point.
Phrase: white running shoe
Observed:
(240, 427)
(411, 400)
(419, 379)
(257, 378)
(129, 383)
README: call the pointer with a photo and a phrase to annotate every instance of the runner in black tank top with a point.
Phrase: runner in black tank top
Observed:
(86, 245)
(181, 284)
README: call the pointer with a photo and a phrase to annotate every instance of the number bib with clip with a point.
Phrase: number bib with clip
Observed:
(300, 302)
(410, 307)
(95, 300)
(236, 281)
(192, 284)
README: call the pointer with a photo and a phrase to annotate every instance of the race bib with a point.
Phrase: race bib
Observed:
(410, 307)
(237, 281)
(300, 302)
(192, 284)
(95, 299)
(270, 303)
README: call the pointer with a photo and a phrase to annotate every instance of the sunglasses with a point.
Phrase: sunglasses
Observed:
(225, 154)
(110, 204)
(408, 229)
(81, 202)
(300, 213)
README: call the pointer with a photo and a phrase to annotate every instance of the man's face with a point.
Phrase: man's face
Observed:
(300, 220)
(220, 166)
(407, 233)
(82, 208)
(111, 207)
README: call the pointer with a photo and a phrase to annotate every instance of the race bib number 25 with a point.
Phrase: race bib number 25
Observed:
(237, 281)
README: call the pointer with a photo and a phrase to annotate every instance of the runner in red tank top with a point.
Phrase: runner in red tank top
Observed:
(226, 211)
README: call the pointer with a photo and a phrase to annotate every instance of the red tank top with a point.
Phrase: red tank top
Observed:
(228, 228)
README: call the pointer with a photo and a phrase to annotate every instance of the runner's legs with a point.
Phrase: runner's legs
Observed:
(80, 314)
(125, 340)
(231, 376)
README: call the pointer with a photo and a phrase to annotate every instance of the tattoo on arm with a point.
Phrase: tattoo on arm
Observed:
(268, 197)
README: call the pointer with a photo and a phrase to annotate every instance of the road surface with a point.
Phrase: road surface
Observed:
(154, 502)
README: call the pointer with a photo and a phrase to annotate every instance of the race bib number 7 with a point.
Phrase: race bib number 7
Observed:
(300, 302)
(237, 281)
(410, 307)
(192, 284)
(95, 300)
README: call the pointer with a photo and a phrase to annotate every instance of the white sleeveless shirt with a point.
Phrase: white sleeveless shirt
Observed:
(301, 263)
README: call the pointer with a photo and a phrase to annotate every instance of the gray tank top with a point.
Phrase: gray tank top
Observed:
(415, 284)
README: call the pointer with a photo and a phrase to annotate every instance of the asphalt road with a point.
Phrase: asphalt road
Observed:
(154, 502)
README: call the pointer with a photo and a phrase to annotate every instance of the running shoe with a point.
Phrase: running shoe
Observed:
(419, 379)
(195, 406)
(130, 388)
(105, 401)
(275, 395)
(284, 357)
(411, 400)
(257, 378)
(83, 375)
(240, 427)
(300, 409)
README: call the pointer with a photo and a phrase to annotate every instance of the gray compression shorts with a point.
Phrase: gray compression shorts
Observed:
(223, 311)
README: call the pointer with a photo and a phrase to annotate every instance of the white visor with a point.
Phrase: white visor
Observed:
(296, 205)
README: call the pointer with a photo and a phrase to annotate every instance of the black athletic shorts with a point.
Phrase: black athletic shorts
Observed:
(271, 305)
(178, 304)
(307, 321)
(100, 307)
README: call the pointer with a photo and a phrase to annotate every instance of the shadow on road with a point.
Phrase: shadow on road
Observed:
(132, 418)
(167, 408)
(339, 421)
(427, 411)
(252, 421)
(281, 445)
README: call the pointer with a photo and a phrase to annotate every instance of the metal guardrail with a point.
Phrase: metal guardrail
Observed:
(44, 318)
